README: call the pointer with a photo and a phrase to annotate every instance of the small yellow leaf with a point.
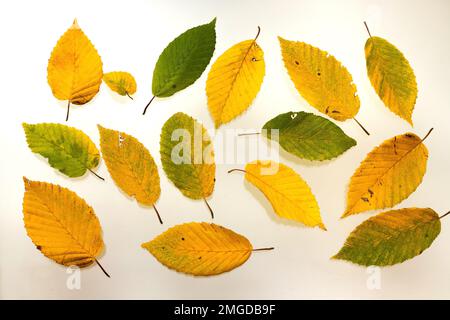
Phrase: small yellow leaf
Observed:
(289, 194)
(74, 70)
(61, 224)
(321, 79)
(388, 175)
(234, 81)
(121, 82)
(200, 249)
(131, 166)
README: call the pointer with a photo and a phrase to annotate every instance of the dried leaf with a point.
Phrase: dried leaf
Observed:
(321, 79)
(121, 82)
(74, 70)
(67, 149)
(391, 76)
(289, 194)
(200, 249)
(388, 175)
(234, 81)
(61, 224)
(391, 237)
(308, 136)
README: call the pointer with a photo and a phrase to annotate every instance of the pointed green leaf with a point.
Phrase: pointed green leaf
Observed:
(67, 149)
(391, 76)
(308, 136)
(183, 61)
(391, 237)
(187, 156)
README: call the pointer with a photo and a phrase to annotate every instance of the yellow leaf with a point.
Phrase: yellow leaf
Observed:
(74, 70)
(321, 79)
(200, 249)
(388, 175)
(131, 166)
(121, 82)
(234, 81)
(289, 194)
(61, 224)
(391, 76)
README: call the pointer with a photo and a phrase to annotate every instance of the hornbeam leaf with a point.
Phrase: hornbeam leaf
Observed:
(388, 175)
(74, 70)
(200, 249)
(61, 225)
(391, 237)
(391, 76)
(234, 81)
(67, 149)
(308, 136)
(321, 79)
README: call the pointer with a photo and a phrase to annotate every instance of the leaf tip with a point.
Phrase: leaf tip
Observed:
(75, 25)
(213, 21)
(322, 226)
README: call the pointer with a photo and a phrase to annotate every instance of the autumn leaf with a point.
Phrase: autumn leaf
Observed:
(388, 175)
(200, 249)
(391, 76)
(131, 166)
(183, 61)
(61, 224)
(321, 80)
(74, 70)
(121, 82)
(67, 149)
(188, 163)
(308, 136)
(289, 194)
(391, 237)
(234, 80)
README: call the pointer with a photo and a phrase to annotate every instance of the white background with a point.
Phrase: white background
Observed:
(130, 35)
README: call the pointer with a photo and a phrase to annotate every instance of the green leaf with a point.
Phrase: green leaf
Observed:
(308, 136)
(391, 76)
(391, 237)
(183, 61)
(187, 157)
(67, 149)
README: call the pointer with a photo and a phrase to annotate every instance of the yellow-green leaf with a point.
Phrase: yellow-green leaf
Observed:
(187, 156)
(131, 166)
(67, 149)
(289, 194)
(61, 224)
(200, 249)
(234, 81)
(391, 76)
(388, 175)
(121, 82)
(74, 70)
(321, 79)
(391, 237)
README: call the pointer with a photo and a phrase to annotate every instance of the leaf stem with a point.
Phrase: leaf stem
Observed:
(128, 95)
(145, 109)
(209, 207)
(362, 127)
(426, 136)
(444, 215)
(104, 271)
(232, 170)
(68, 109)
(248, 134)
(367, 28)
(157, 213)
(264, 249)
(257, 34)
(96, 175)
